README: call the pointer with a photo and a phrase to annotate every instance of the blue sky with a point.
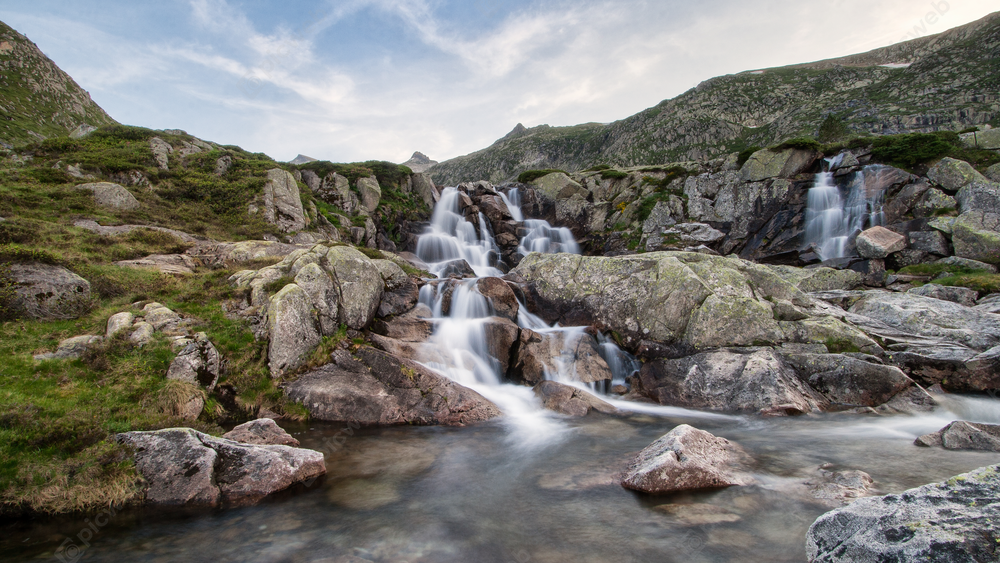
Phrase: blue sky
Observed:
(350, 80)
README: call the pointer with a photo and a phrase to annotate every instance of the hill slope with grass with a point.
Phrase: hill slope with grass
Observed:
(946, 82)
(37, 99)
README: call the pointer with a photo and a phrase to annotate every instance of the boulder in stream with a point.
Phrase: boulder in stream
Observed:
(950, 521)
(569, 400)
(687, 459)
(963, 435)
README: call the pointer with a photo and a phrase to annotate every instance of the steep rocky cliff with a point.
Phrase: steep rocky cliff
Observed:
(943, 82)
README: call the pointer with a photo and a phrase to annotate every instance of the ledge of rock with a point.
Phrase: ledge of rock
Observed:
(376, 388)
(951, 521)
(688, 459)
(184, 467)
(570, 400)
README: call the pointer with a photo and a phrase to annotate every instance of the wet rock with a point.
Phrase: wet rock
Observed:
(879, 242)
(953, 175)
(975, 235)
(118, 323)
(501, 335)
(500, 296)
(282, 204)
(687, 459)
(850, 381)
(198, 363)
(576, 352)
(838, 488)
(757, 381)
(47, 292)
(960, 295)
(379, 389)
(261, 432)
(699, 514)
(183, 467)
(292, 330)
(111, 196)
(964, 436)
(570, 400)
(457, 269)
(71, 348)
(949, 521)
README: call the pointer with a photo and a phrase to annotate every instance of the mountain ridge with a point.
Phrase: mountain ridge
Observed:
(949, 82)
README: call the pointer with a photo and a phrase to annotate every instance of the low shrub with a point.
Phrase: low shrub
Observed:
(911, 150)
(614, 175)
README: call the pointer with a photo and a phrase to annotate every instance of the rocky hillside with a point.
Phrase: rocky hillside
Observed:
(37, 99)
(943, 82)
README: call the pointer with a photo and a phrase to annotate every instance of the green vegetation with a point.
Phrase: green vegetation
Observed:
(614, 175)
(910, 151)
(983, 281)
(598, 168)
(532, 175)
(387, 173)
(839, 346)
(833, 129)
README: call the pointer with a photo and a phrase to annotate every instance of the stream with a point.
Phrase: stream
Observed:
(532, 486)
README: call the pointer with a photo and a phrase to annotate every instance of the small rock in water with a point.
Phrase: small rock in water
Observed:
(261, 432)
(963, 435)
(688, 459)
(699, 514)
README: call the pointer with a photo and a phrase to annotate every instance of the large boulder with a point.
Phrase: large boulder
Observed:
(963, 435)
(376, 388)
(988, 139)
(685, 299)
(71, 348)
(850, 382)
(573, 353)
(879, 242)
(953, 175)
(687, 459)
(993, 172)
(950, 521)
(184, 467)
(757, 381)
(361, 285)
(323, 294)
(979, 196)
(161, 152)
(767, 164)
(370, 193)
(424, 187)
(282, 203)
(292, 330)
(976, 235)
(111, 196)
(47, 292)
(198, 363)
(500, 297)
(558, 186)
(961, 295)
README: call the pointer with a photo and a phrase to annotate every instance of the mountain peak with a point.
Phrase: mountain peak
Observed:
(419, 162)
(302, 159)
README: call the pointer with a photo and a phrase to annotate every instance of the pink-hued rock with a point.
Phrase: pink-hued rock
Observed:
(687, 459)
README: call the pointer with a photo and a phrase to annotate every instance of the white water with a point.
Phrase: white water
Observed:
(450, 237)
(831, 220)
(540, 236)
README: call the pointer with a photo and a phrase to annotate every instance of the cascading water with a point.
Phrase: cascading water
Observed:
(831, 221)
(540, 236)
(450, 237)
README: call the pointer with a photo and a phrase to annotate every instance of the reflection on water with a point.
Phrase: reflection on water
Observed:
(459, 495)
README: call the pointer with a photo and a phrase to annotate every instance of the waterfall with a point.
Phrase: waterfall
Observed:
(450, 237)
(513, 203)
(831, 220)
(543, 237)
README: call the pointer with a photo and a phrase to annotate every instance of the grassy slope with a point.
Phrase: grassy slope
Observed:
(57, 417)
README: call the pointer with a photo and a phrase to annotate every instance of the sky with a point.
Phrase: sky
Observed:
(354, 80)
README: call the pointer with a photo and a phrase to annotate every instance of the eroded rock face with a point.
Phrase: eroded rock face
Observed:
(282, 204)
(378, 389)
(184, 467)
(292, 328)
(370, 193)
(730, 380)
(558, 186)
(47, 292)
(687, 459)
(848, 381)
(951, 521)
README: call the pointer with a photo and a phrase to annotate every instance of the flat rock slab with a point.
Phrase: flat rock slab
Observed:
(184, 467)
(378, 389)
(951, 521)
(687, 459)
(569, 400)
